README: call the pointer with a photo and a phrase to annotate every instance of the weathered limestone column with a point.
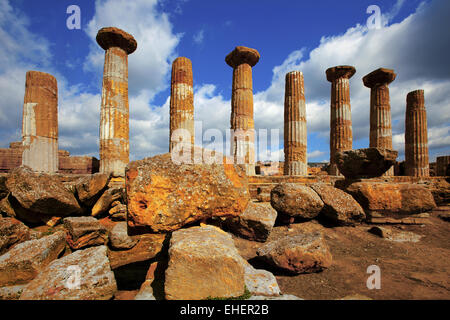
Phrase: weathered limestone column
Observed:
(416, 135)
(380, 109)
(114, 113)
(242, 59)
(40, 122)
(295, 138)
(181, 103)
(341, 135)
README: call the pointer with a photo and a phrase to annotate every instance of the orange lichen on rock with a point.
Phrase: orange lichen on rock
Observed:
(164, 196)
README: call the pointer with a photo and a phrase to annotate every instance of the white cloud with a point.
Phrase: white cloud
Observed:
(150, 63)
(198, 37)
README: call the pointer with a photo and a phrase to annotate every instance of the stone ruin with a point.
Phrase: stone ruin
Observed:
(138, 223)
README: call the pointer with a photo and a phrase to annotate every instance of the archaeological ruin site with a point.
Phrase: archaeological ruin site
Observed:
(178, 226)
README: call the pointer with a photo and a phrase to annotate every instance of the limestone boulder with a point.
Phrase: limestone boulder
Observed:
(104, 203)
(41, 194)
(255, 223)
(163, 196)
(296, 200)
(82, 275)
(260, 282)
(299, 253)
(11, 292)
(365, 163)
(118, 212)
(12, 232)
(339, 206)
(23, 262)
(90, 188)
(148, 246)
(203, 262)
(391, 199)
(85, 232)
(3, 189)
(119, 238)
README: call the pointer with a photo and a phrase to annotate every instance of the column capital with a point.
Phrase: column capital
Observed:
(337, 72)
(113, 37)
(378, 77)
(242, 55)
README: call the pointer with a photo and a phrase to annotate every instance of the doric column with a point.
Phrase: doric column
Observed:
(114, 113)
(181, 104)
(242, 59)
(380, 109)
(416, 135)
(40, 122)
(341, 136)
(295, 139)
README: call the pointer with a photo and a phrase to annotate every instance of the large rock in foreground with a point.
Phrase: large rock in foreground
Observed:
(365, 163)
(23, 262)
(255, 223)
(296, 200)
(299, 253)
(12, 232)
(41, 194)
(203, 262)
(340, 207)
(164, 196)
(82, 275)
(391, 199)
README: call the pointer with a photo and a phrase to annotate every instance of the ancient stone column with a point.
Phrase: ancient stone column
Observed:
(181, 104)
(242, 59)
(416, 136)
(295, 139)
(40, 122)
(380, 109)
(114, 113)
(341, 136)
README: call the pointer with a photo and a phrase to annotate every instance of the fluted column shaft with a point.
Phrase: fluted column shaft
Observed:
(40, 122)
(341, 135)
(295, 135)
(242, 123)
(416, 135)
(114, 114)
(181, 103)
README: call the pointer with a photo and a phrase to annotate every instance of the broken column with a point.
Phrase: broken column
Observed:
(416, 136)
(114, 113)
(295, 139)
(182, 104)
(242, 59)
(380, 109)
(341, 136)
(40, 122)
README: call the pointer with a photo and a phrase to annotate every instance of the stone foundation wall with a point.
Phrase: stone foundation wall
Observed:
(12, 157)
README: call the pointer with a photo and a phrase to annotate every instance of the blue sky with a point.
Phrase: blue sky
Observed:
(309, 36)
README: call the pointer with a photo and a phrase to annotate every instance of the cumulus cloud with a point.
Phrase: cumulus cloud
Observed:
(410, 47)
(22, 50)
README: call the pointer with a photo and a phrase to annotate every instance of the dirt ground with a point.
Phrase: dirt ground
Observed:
(409, 270)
